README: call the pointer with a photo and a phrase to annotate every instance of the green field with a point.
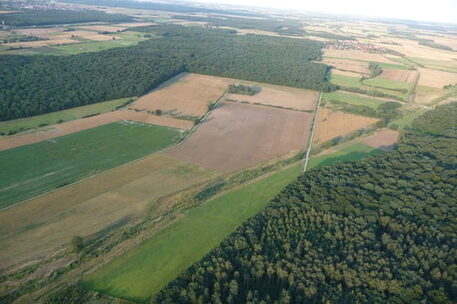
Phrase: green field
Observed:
(34, 169)
(351, 152)
(143, 271)
(357, 100)
(127, 38)
(384, 65)
(406, 119)
(353, 82)
(60, 116)
(387, 83)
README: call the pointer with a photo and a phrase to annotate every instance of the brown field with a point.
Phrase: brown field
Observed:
(333, 124)
(8, 142)
(237, 136)
(186, 95)
(42, 43)
(99, 203)
(281, 96)
(413, 49)
(135, 24)
(384, 139)
(40, 31)
(87, 35)
(356, 55)
(407, 76)
(425, 95)
(7, 12)
(436, 79)
(348, 65)
(344, 73)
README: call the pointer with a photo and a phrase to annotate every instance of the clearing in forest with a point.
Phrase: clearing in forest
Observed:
(34, 169)
(186, 95)
(101, 203)
(332, 124)
(237, 136)
(144, 270)
(279, 96)
(384, 139)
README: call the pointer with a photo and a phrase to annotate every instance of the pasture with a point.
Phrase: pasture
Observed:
(237, 136)
(34, 169)
(96, 205)
(143, 271)
(186, 95)
(339, 124)
(385, 83)
(60, 116)
(353, 82)
(279, 96)
(354, 99)
(348, 152)
(57, 130)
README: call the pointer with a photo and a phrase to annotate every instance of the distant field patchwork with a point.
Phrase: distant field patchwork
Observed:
(33, 169)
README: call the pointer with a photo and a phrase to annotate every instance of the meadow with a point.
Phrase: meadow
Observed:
(357, 100)
(33, 122)
(143, 271)
(34, 169)
(352, 82)
(386, 83)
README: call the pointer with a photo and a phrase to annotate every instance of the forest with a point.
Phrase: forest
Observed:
(50, 17)
(33, 85)
(380, 230)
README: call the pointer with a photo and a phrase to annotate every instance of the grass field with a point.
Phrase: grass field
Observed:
(352, 82)
(352, 152)
(60, 116)
(357, 100)
(384, 65)
(33, 169)
(387, 83)
(406, 119)
(143, 271)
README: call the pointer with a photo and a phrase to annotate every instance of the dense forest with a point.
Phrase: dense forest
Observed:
(34, 85)
(283, 26)
(380, 230)
(166, 7)
(49, 17)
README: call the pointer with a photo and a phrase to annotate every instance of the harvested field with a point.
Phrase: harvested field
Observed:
(41, 43)
(87, 35)
(344, 73)
(44, 32)
(384, 139)
(99, 203)
(356, 55)
(49, 132)
(407, 76)
(237, 136)
(185, 95)
(426, 95)
(280, 96)
(135, 24)
(334, 124)
(348, 65)
(102, 28)
(436, 79)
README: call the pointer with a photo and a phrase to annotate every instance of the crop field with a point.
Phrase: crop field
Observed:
(345, 73)
(353, 55)
(33, 169)
(348, 65)
(425, 95)
(53, 131)
(335, 124)
(100, 203)
(354, 99)
(349, 152)
(387, 83)
(143, 271)
(407, 76)
(280, 96)
(384, 139)
(237, 136)
(185, 95)
(436, 79)
(352, 82)
(60, 116)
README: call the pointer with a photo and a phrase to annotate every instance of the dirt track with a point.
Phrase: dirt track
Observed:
(236, 136)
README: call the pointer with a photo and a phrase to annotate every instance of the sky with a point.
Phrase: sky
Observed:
(424, 10)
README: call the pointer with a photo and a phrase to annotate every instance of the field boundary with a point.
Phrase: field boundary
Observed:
(313, 130)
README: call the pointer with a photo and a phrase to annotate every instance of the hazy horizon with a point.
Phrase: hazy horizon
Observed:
(439, 11)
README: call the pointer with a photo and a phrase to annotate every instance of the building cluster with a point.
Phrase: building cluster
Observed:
(39, 5)
(353, 46)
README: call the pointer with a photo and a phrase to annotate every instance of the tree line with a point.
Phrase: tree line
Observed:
(33, 85)
(380, 230)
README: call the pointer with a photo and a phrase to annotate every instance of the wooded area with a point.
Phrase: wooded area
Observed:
(381, 230)
(34, 85)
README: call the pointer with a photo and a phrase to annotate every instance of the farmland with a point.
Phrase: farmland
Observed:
(33, 169)
(98, 204)
(338, 124)
(142, 272)
(17, 125)
(383, 139)
(237, 136)
(354, 99)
